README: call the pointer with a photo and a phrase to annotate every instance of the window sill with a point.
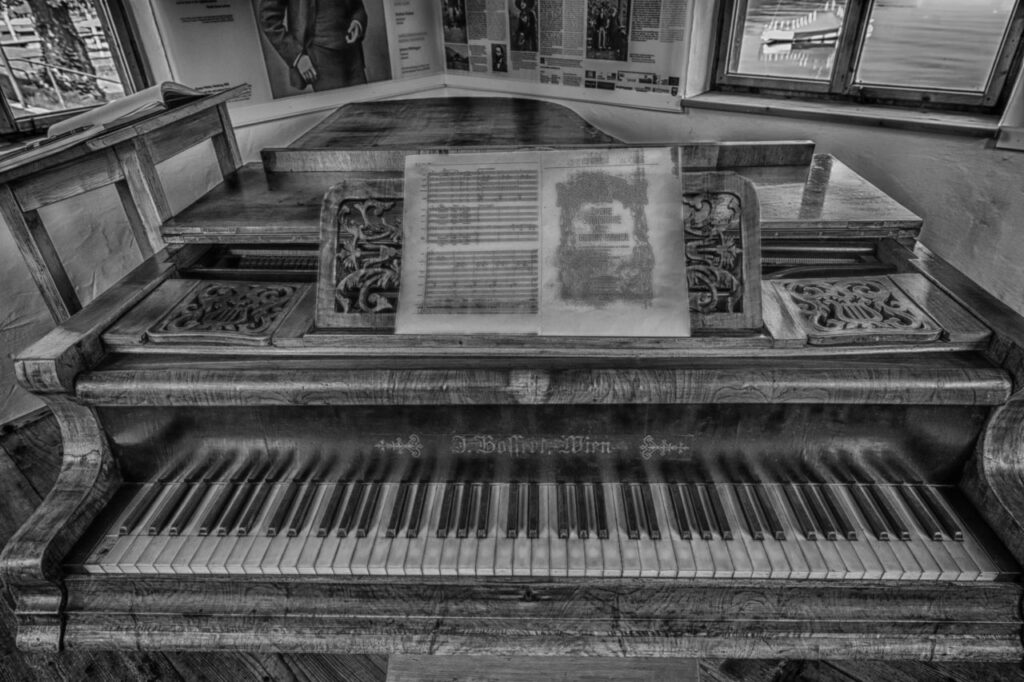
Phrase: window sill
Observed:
(970, 125)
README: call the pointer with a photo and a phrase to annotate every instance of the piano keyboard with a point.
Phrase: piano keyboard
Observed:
(258, 523)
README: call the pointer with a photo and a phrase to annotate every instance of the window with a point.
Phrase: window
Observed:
(59, 56)
(951, 54)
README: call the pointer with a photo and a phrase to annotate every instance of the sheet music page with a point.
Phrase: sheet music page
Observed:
(569, 242)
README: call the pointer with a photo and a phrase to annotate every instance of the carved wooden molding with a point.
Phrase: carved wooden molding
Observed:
(360, 255)
(227, 312)
(723, 250)
(853, 310)
(30, 563)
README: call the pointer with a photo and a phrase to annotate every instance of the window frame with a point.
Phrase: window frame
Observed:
(129, 61)
(842, 86)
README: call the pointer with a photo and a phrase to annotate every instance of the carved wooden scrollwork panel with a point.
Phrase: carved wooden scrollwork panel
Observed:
(723, 250)
(217, 312)
(360, 255)
(858, 310)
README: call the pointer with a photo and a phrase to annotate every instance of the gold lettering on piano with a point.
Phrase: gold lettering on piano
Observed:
(649, 447)
(411, 446)
(516, 445)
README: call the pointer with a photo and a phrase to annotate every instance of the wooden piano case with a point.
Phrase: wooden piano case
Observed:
(144, 389)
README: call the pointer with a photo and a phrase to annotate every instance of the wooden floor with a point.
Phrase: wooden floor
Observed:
(29, 462)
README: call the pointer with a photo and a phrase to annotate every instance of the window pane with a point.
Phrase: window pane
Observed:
(67, 67)
(789, 38)
(937, 44)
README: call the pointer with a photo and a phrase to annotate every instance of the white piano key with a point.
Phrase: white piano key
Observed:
(394, 564)
(872, 568)
(449, 564)
(414, 554)
(629, 550)
(328, 548)
(104, 556)
(742, 565)
(504, 546)
(128, 562)
(929, 568)
(239, 556)
(948, 568)
(558, 559)
(522, 549)
(575, 548)
(371, 554)
(300, 556)
(306, 564)
(487, 547)
(254, 560)
(968, 568)
(668, 566)
(718, 547)
(817, 568)
(468, 546)
(593, 547)
(433, 546)
(540, 564)
(685, 559)
(344, 554)
(987, 568)
(790, 549)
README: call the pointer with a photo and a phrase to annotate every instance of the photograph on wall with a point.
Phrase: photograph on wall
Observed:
(456, 57)
(312, 46)
(454, 18)
(522, 25)
(499, 60)
(608, 29)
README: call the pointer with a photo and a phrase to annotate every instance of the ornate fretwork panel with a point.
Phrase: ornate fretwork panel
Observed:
(723, 250)
(360, 255)
(858, 310)
(714, 252)
(242, 312)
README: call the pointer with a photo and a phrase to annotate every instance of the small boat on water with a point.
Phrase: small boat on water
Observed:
(820, 26)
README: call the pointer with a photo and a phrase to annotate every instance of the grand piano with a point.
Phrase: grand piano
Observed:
(237, 478)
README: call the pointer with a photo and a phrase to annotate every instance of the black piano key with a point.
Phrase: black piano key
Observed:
(464, 517)
(532, 511)
(252, 512)
(920, 512)
(483, 516)
(700, 515)
(600, 512)
(243, 495)
(416, 514)
(219, 504)
(349, 517)
(871, 515)
(562, 510)
(512, 515)
(838, 512)
(679, 516)
(199, 490)
(647, 501)
(303, 508)
(285, 504)
(825, 523)
(750, 517)
(446, 509)
(173, 500)
(721, 520)
(803, 517)
(584, 512)
(892, 515)
(140, 506)
(769, 513)
(369, 510)
(331, 509)
(398, 510)
(949, 524)
(629, 508)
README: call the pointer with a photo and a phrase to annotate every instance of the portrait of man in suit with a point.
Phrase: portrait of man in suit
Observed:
(321, 41)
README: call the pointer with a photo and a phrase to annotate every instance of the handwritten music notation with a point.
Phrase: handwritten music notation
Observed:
(471, 207)
(481, 282)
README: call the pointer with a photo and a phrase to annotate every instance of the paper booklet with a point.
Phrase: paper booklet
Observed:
(567, 242)
(129, 108)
